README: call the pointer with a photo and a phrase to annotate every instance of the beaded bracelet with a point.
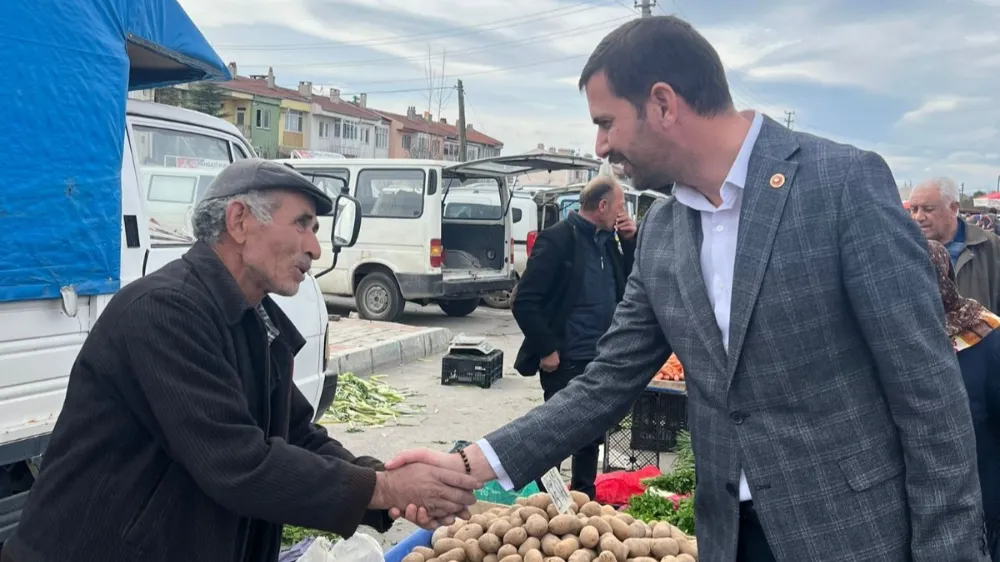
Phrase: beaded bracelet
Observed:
(465, 461)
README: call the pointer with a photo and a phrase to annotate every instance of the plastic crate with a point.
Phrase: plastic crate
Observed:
(463, 367)
(656, 419)
(619, 453)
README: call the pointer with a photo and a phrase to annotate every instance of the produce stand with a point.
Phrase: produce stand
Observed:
(524, 532)
(649, 429)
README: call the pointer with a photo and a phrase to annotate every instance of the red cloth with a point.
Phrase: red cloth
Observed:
(615, 488)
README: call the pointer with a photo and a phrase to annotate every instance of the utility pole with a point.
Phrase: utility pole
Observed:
(789, 118)
(647, 7)
(462, 152)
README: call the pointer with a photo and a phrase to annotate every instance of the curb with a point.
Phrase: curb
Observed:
(394, 352)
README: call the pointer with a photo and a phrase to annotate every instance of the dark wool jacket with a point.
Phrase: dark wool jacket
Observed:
(553, 279)
(183, 437)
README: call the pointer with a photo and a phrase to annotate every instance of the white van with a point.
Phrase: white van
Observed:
(40, 339)
(434, 231)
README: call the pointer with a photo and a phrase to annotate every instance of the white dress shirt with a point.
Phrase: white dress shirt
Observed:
(719, 227)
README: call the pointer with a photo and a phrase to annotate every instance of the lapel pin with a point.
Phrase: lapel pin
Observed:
(777, 180)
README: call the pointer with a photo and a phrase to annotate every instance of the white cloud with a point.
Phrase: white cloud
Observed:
(944, 104)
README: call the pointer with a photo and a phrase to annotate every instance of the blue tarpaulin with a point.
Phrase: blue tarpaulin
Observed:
(68, 66)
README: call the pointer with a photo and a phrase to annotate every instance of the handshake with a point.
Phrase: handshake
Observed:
(428, 488)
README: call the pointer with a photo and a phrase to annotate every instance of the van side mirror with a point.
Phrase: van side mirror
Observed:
(346, 226)
(516, 214)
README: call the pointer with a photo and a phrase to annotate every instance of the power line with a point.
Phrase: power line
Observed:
(400, 91)
(397, 39)
(491, 46)
(479, 72)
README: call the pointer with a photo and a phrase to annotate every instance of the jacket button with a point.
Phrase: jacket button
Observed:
(737, 418)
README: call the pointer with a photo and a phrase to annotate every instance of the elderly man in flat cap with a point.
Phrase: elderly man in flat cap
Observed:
(183, 437)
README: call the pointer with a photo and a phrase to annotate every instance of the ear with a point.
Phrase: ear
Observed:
(236, 221)
(662, 103)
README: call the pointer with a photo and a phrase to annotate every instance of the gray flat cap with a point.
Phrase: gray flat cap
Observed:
(256, 174)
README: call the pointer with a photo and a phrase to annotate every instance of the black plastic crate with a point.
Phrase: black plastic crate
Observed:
(656, 419)
(619, 453)
(472, 367)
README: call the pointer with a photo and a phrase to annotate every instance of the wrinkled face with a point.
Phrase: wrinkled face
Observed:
(935, 216)
(279, 254)
(630, 140)
(610, 207)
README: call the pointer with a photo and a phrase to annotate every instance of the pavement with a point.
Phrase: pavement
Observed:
(364, 347)
(449, 413)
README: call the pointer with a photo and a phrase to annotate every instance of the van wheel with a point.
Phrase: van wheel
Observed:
(378, 298)
(499, 299)
(459, 308)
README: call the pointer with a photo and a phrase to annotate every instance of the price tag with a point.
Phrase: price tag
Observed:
(554, 485)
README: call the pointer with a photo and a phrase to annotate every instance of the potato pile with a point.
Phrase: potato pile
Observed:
(533, 531)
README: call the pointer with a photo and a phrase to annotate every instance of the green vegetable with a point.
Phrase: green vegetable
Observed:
(649, 507)
(685, 455)
(367, 402)
(680, 481)
(291, 535)
(685, 516)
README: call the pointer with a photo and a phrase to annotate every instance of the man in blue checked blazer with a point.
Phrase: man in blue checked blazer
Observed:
(826, 407)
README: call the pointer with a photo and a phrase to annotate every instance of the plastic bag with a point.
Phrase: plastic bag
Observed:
(615, 488)
(358, 548)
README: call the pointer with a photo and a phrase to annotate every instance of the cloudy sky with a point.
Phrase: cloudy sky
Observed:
(913, 80)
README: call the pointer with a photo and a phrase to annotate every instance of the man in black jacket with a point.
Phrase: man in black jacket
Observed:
(566, 299)
(183, 436)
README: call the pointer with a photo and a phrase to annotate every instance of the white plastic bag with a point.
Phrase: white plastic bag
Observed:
(358, 548)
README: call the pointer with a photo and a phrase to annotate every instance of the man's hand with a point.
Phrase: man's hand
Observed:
(434, 492)
(550, 362)
(625, 226)
(481, 471)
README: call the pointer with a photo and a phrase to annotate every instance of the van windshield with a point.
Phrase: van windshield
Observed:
(477, 199)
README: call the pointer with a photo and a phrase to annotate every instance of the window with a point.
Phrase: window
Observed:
(472, 152)
(293, 121)
(238, 152)
(365, 138)
(331, 186)
(477, 199)
(175, 168)
(263, 118)
(324, 129)
(391, 193)
(350, 130)
(568, 203)
(337, 128)
(241, 117)
(407, 142)
(381, 137)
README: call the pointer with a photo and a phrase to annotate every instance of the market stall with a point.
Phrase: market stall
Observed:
(535, 530)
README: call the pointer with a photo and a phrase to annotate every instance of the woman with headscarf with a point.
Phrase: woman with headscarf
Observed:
(974, 334)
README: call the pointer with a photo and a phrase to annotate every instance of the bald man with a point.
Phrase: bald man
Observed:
(566, 299)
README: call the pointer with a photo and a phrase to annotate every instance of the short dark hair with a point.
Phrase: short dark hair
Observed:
(644, 51)
(595, 192)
